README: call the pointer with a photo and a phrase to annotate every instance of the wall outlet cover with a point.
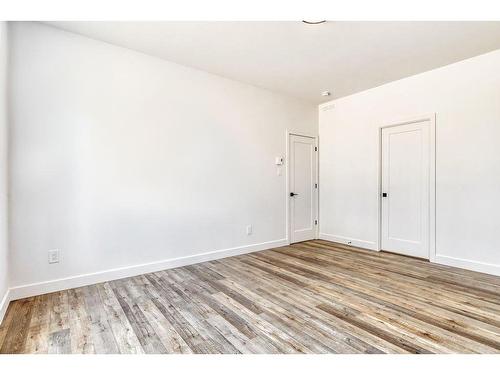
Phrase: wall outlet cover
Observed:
(53, 256)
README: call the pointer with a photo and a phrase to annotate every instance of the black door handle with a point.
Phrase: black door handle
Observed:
(293, 194)
(384, 195)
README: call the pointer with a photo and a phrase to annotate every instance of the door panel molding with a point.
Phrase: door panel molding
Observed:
(431, 119)
(288, 229)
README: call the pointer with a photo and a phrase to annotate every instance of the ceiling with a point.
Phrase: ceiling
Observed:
(302, 60)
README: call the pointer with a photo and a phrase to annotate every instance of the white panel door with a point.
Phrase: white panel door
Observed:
(303, 188)
(405, 189)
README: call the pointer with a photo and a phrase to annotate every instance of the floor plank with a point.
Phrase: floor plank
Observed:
(311, 297)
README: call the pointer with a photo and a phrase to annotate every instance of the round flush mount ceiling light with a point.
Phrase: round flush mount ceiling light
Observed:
(326, 93)
(313, 22)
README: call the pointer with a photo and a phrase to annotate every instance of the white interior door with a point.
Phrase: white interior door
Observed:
(406, 189)
(303, 188)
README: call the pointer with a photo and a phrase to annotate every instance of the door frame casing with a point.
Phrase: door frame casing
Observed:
(431, 118)
(288, 133)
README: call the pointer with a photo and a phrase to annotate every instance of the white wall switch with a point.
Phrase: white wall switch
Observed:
(54, 256)
(249, 230)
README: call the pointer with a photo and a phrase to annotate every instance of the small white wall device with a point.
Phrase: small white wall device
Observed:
(279, 160)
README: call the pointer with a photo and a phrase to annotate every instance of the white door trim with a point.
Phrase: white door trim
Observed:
(288, 133)
(432, 178)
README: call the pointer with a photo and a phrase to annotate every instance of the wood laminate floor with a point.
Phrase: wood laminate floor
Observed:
(311, 297)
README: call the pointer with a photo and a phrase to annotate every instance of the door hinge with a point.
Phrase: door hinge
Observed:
(315, 222)
(315, 148)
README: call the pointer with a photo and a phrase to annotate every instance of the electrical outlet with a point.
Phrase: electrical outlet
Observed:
(249, 230)
(53, 256)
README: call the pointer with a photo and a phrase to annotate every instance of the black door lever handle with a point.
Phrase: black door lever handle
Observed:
(293, 194)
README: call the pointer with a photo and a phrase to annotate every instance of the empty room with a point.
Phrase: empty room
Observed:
(236, 187)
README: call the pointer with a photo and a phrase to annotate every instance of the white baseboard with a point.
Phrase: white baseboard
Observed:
(349, 241)
(472, 265)
(489, 268)
(4, 304)
(50, 286)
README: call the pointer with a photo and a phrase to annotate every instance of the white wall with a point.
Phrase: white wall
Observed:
(120, 159)
(4, 270)
(466, 99)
